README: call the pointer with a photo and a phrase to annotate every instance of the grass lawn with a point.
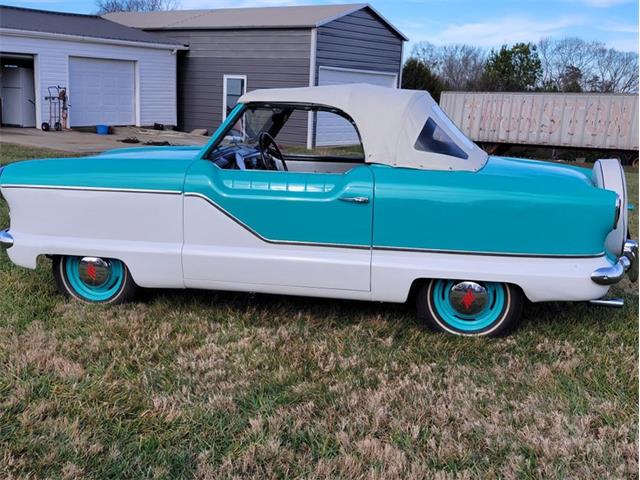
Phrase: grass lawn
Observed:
(189, 384)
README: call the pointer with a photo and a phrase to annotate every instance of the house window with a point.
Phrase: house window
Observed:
(234, 86)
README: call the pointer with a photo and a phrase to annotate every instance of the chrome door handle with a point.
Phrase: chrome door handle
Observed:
(355, 199)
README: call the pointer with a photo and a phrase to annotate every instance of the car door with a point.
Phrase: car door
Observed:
(290, 229)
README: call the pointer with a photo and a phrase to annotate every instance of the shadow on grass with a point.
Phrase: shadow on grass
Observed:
(283, 309)
(243, 300)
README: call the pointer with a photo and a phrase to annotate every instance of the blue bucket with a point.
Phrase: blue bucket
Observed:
(102, 129)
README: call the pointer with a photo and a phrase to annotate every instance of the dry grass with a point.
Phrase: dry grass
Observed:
(219, 385)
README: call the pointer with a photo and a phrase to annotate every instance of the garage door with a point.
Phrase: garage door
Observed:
(332, 129)
(101, 92)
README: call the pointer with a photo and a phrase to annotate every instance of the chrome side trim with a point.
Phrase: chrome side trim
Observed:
(628, 262)
(608, 302)
(491, 254)
(6, 240)
(92, 189)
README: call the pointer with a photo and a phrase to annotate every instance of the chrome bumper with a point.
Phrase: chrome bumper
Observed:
(627, 263)
(6, 240)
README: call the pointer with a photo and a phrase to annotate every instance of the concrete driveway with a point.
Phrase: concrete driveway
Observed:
(83, 142)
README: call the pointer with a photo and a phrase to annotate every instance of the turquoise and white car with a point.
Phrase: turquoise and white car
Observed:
(384, 199)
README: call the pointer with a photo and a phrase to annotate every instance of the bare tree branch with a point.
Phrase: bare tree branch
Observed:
(458, 66)
(108, 6)
(601, 69)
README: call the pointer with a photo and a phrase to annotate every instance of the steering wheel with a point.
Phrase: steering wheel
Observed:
(268, 145)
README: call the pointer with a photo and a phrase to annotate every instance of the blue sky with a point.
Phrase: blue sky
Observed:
(486, 23)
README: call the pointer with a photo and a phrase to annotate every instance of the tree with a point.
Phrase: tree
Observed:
(601, 69)
(617, 71)
(109, 6)
(571, 79)
(417, 76)
(512, 69)
(459, 66)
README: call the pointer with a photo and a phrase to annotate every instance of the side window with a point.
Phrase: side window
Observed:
(321, 134)
(234, 86)
(434, 139)
(288, 138)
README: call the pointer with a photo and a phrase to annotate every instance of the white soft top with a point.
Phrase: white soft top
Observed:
(389, 121)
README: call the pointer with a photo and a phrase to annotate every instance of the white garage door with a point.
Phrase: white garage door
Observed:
(101, 92)
(333, 129)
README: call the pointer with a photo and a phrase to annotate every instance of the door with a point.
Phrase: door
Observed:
(101, 92)
(18, 97)
(333, 130)
(290, 229)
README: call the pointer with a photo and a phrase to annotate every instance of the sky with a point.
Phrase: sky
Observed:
(486, 23)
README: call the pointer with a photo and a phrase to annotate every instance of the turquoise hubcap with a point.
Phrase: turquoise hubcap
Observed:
(477, 319)
(94, 291)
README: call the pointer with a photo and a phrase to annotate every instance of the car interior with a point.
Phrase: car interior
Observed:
(274, 137)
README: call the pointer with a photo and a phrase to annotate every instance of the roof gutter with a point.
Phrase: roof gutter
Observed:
(110, 41)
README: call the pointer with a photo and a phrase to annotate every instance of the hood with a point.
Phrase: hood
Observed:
(152, 168)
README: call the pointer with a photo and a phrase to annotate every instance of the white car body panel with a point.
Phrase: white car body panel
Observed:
(541, 278)
(144, 230)
(217, 249)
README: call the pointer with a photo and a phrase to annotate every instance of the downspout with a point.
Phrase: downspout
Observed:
(312, 83)
(401, 63)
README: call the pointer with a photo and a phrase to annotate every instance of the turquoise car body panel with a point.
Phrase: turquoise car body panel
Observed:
(154, 168)
(510, 206)
(290, 207)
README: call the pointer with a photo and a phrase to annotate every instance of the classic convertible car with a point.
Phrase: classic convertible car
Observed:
(355, 192)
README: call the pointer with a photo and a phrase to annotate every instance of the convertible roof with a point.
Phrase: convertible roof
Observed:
(389, 121)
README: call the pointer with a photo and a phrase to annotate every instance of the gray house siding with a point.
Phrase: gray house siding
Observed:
(270, 58)
(275, 58)
(358, 41)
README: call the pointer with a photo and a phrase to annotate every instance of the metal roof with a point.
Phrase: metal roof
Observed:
(302, 16)
(93, 26)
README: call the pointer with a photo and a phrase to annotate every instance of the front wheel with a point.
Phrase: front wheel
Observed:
(93, 279)
(463, 307)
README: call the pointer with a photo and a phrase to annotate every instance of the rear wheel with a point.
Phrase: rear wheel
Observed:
(469, 308)
(93, 279)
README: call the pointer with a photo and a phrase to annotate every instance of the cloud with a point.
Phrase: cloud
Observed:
(496, 32)
(619, 27)
(36, 2)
